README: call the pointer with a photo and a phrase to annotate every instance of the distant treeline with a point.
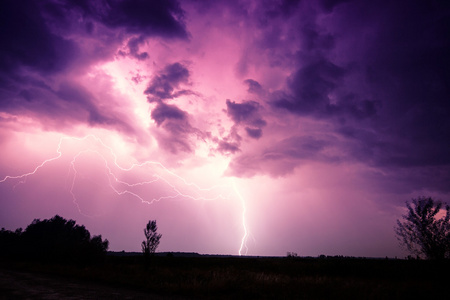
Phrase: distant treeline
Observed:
(53, 240)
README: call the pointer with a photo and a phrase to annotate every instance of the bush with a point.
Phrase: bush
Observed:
(56, 240)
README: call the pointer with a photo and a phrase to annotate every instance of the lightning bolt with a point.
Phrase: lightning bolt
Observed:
(244, 223)
(122, 187)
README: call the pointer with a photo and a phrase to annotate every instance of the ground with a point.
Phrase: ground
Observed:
(29, 285)
(133, 277)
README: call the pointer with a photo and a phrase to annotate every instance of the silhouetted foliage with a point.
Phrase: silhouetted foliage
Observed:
(9, 242)
(422, 232)
(55, 239)
(152, 238)
(292, 254)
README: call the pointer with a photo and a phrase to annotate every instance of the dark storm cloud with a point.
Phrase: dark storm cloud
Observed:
(164, 112)
(33, 32)
(177, 134)
(41, 40)
(133, 47)
(253, 86)
(311, 86)
(328, 5)
(318, 85)
(27, 41)
(378, 74)
(298, 147)
(77, 98)
(407, 64)
(147, 18)
(404, 68)
(163, 85)
(274, 9)
(117, 20)
(226, 148)
(241, 112)
(62, 107)
(255, 133)
(160, 18)
(31, 55)
(283, 156)
(247, 113)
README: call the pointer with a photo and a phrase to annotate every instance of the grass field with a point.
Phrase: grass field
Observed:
(258, 278)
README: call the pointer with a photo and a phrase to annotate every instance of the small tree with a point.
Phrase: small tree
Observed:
(422, 232)
(152, 238)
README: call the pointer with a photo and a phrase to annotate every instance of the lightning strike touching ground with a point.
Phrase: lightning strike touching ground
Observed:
(244, 224)
(176, 186)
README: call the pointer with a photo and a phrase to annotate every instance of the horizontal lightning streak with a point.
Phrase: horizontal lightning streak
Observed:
(114, 180)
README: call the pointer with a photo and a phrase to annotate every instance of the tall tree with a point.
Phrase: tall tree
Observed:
(422, 231)
(152, 238)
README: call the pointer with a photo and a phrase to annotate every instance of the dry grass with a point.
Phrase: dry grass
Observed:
(263, 278)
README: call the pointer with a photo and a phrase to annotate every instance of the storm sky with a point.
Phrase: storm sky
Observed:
(251, 127)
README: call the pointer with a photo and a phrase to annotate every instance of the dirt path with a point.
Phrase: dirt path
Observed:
(25, 285)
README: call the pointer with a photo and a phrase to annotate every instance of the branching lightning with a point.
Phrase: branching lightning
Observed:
(122, 187)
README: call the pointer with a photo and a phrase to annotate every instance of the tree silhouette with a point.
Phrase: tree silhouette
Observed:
(422, 232)
(152, 238)
(10, 242)
(55, 239)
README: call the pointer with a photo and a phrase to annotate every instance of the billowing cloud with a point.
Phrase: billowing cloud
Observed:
(148, 18)
(227, 148)
(247, 113)
(164, 112)
(283, 156)
(50, 39)
(253, 86)
(377, 95)
(311, 87)
(133, 48)
(161, 18)
(178, 134)
(163, 85)
(28, 42)
(254, 132)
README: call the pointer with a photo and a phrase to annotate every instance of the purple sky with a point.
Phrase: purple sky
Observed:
(252, 127)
